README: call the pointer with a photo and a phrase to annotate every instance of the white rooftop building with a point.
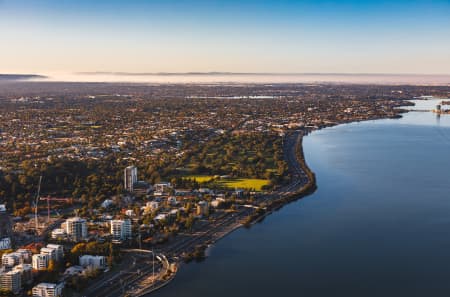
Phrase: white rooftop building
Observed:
(151, 206)
(51, 253)
(76, 228)
(40, 261)
(130, 178)
(203, 208)
(25, 255)
(48, 290)
(59, 234)
(59, 251)
(107, 203)
(96, 262)
(11, 259)
(121, 229)
(162, 187)
(74, 270)
(11, 281)
(26, 273)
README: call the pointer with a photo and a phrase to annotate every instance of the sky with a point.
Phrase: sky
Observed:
(280, 36)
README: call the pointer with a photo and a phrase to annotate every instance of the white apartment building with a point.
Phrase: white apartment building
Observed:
(48, 290)
(59, 250)
(121, 229)
(59, 234)
(11, 259)
(96, 262)
(25, 255)
(130, 178)
(11, 281)
(26, 272)
(76, 228)
(40, 261)
(51, 253)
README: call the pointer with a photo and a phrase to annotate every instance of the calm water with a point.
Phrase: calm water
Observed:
(378, 225)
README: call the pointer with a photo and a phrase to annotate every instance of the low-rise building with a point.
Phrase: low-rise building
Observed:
(162, 187)
(107, 203)
(96, 262)
(202, 208)
(173, 213)
(59, 234)
(153, 205)
(172, 201)
(215, 203)
(161, 217)
(74, 270)
(48, 290)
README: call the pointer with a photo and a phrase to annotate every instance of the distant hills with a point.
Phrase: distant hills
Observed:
(8, 77)
(166, 73)
(212, 73)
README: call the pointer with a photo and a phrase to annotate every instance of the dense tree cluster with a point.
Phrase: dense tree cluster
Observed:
(247, 155)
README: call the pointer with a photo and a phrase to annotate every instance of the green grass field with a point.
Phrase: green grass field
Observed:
(240, 183)
(200, 178)
(244, 183)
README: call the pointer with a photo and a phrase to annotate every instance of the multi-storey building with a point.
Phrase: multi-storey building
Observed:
(5, 229)
(76, 229)
(26, 272)
(96, 262)
(40, 261)
(59, 251)
(51, 253)
(25, 255)
(11, 281)
(130, 178)
(48, 290)
(11, 259)
(121, 229)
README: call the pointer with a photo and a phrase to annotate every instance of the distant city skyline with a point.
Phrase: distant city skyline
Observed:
(349, 36)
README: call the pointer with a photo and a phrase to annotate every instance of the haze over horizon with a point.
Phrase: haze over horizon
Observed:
(233, 78)
(67, 37)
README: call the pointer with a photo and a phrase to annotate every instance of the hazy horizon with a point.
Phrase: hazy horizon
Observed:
(236, 78)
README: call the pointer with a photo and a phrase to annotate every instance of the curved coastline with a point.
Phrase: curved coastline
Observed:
(304, 190)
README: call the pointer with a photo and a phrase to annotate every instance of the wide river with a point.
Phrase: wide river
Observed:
(378, 224)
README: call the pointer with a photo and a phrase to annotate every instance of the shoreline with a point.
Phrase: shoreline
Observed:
(305, 190)
(283, 199)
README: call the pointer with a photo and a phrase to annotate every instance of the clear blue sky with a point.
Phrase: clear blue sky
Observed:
(42, 36)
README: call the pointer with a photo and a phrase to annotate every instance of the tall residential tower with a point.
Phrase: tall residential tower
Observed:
(130, 178)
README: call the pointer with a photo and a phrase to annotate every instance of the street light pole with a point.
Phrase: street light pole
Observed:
(153, 264)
